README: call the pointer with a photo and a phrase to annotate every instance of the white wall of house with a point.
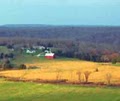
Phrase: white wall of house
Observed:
(30, 51)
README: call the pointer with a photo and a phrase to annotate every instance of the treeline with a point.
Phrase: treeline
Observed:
(65, 48)
(96, 57)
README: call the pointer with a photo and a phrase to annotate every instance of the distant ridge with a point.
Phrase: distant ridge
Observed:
(45, 25)
(25, 25)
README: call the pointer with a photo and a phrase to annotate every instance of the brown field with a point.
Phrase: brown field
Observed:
(56, 69)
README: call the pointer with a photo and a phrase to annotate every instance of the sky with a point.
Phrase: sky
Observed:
(60, 12)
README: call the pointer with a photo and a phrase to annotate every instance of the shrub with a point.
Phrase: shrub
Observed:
(33, 67)
(96, 70)
(114, 61)
(22, 66)
(7, 65)
(1, 67)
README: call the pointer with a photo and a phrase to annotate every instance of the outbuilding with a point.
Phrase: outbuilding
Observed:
(50, 55)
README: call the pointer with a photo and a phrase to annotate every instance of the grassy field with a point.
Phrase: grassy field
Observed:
(4, 50)
(20, 59)
(19, 91)
(66, 69)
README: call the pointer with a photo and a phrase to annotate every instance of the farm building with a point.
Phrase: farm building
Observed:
(30, 51)
(50, 55)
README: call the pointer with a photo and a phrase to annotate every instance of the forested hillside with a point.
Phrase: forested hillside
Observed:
(70, 40)
(82, 33)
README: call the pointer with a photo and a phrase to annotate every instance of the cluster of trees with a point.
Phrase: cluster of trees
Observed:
(7, 65)
(89, 56)
(9, 55)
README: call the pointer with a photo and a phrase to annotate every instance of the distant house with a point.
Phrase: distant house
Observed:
(30, 51)
(50, 55)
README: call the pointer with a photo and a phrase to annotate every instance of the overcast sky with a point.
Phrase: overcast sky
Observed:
(60, 12)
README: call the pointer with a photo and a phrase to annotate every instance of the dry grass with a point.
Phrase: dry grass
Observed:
(68, 70)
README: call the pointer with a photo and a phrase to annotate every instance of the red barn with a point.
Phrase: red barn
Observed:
(50, 55)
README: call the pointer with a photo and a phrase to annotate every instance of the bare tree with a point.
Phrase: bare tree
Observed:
(58, 74)
(87, 74)
(108, 78)
(79, 76)
(71, 74)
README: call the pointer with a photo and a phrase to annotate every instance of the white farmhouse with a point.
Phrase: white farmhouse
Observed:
(30, 51)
